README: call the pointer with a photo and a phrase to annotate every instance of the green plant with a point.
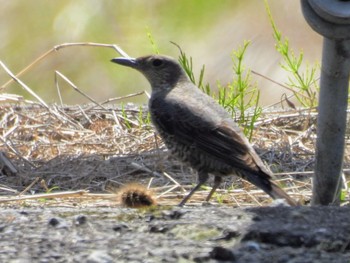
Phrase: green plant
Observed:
(125, 117)
(143, 119)
(237, 97)
(220, 198)
(302, 84)
(49, 190)
(187, 64)
(152, 41)
(240, 96)
(343, 195)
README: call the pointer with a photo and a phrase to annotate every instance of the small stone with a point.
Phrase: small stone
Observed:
(221, 253)
(173, 214)
(99, 256)
(158, 229)
(252, 246)
(80, 220)
(54, 221)
(120, 227)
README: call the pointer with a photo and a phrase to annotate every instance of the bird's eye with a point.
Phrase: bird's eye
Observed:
(157, 62)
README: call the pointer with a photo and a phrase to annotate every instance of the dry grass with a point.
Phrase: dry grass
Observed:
(85, 147)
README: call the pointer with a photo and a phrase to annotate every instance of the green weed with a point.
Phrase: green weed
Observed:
(240, 95)
(125, 117)
(152, 41)
(236, 97)
(302, 84)
(143, 118)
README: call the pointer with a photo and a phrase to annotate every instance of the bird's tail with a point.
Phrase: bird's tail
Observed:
(276, 193)
(263, 181)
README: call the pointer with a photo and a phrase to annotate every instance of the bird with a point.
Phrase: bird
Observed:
(198, 130)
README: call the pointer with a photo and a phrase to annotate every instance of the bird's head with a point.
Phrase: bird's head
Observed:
(162, 72)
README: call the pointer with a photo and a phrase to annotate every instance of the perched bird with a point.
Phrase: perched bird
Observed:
(197, 129)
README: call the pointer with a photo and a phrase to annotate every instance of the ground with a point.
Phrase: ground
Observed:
(208, 233)
(62, 169)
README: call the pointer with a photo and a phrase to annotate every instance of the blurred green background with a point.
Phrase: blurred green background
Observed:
(206, 30)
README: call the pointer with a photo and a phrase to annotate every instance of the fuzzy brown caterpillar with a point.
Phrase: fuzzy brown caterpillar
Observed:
(136, 196)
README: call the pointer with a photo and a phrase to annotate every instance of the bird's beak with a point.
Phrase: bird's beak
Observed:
(129, 62)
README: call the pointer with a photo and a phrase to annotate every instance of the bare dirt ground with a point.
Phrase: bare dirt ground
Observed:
(211, 233)
(59, 194)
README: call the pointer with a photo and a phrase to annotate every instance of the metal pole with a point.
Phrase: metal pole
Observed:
(331, 122)
(330, 18)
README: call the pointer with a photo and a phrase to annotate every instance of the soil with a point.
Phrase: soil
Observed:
(207, 233)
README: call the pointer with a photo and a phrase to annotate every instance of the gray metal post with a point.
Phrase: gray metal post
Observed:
(331, 123)
(331, 18)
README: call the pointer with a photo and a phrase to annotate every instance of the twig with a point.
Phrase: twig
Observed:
(64, 45)
(78, 90)
(6, 188)
(277, 83)
(345, 185)
(91, 44)
(47, 196)
(145, 169)
(115, 99)
(168, 190)
(67, 118)
(24, 86)
(30, 185)
(116, 119)
(173, 180)
(123, 97)
(14, 150)
(85, 115)
(58, 89)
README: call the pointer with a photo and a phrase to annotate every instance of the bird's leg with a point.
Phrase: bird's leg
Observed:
(217, 182)
(202, 178)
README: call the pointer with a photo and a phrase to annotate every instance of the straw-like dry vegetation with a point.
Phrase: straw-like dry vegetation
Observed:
(86, 147)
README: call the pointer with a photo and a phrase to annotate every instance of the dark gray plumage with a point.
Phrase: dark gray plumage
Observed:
(197, 129)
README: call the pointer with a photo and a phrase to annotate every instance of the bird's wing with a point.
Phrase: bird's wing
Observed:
(228, 144)
(247, 154)
(208, 133)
